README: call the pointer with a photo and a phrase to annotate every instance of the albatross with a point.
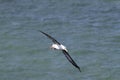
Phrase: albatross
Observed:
(58, 46)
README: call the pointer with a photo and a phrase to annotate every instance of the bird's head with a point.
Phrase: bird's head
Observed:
(51, 47)
(54, 46)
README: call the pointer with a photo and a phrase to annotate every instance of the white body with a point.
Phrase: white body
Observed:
(59, 47)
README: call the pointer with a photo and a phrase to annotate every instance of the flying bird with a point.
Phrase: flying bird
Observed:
(58, 46)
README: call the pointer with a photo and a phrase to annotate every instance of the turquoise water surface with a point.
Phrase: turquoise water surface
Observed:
(90, 29)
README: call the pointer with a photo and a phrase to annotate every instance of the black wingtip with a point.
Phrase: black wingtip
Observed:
(79, 69)
(40, 31)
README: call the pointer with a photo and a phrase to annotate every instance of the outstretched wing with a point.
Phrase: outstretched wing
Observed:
(71, 60)
(54, 40)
